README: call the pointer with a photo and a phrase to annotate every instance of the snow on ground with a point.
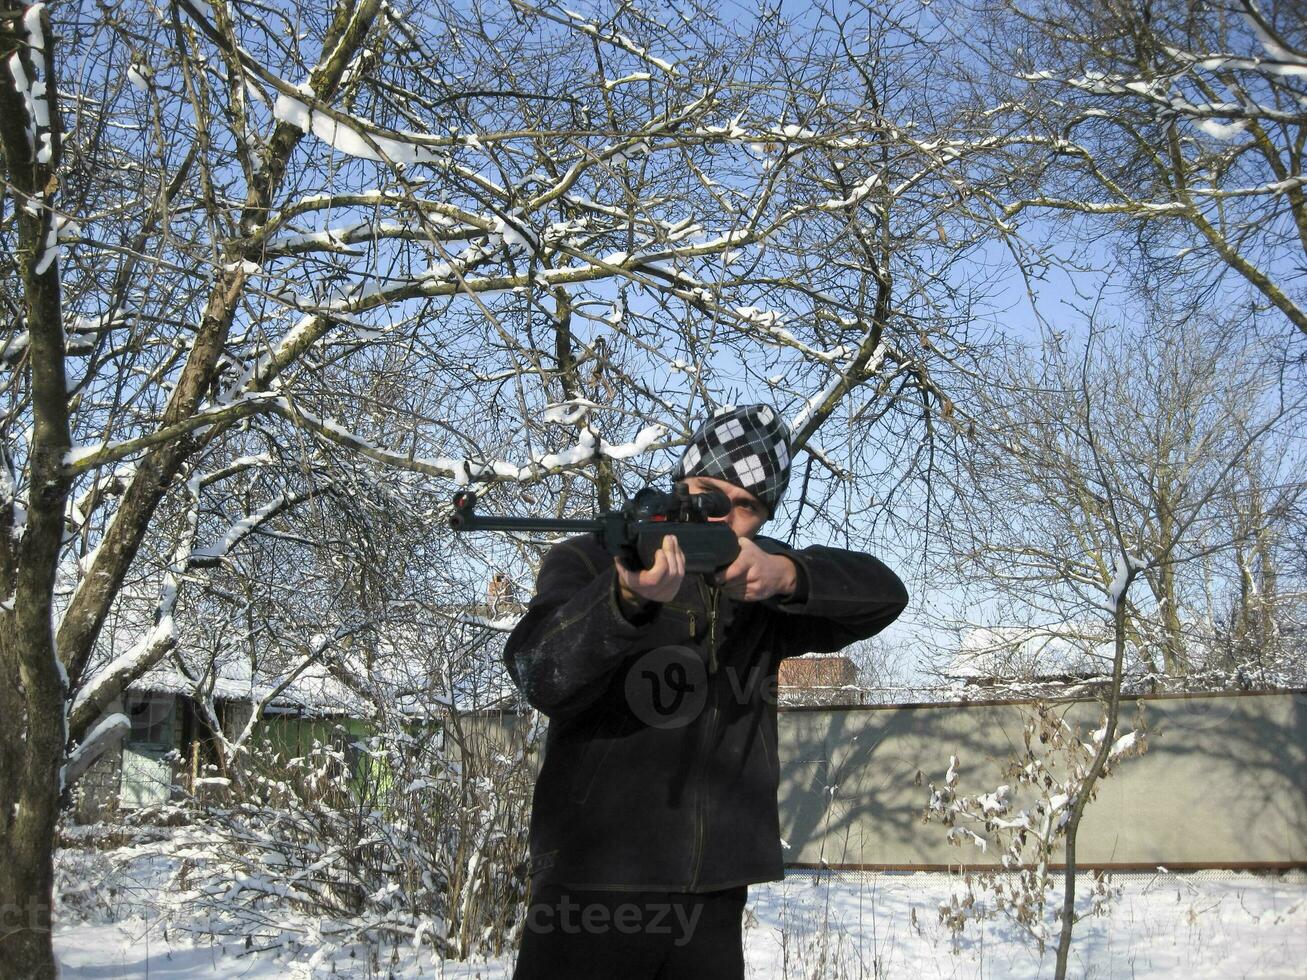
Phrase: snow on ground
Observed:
(1161, 925)
(1198, 925)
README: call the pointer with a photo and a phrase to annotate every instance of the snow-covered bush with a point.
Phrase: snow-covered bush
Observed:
(1050, 774)
(403, 837)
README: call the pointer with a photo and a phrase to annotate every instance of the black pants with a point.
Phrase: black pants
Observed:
(571, 933)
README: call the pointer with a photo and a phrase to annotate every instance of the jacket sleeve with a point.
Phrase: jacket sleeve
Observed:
(563, 652)
(849, 597)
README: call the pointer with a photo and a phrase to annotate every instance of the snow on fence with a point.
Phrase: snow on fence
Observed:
(1223, 783)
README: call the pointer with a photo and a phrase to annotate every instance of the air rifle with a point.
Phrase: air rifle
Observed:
(636, 532)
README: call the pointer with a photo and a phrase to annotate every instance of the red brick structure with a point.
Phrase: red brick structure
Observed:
(818, 680)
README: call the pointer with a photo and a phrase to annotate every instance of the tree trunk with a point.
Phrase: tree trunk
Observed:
(1068, 915)
(32, 683)
(29, 796)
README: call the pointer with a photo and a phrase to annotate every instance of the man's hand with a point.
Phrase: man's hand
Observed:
(659, 583)
(755, 575)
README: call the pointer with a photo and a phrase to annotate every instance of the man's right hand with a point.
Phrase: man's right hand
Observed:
(658, 583)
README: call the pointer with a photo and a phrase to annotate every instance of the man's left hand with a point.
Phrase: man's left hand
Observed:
(756, 575)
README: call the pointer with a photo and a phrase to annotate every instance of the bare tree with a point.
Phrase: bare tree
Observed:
(1258, 620)
(255, 270)
(1180, 123)
(1182, 413)
(1092, 471)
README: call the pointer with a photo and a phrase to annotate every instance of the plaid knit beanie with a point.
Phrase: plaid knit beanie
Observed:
(748, 446)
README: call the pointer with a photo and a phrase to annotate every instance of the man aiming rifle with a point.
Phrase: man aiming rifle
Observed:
(655, 807)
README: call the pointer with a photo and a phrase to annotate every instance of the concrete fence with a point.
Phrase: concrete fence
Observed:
(1222, 785)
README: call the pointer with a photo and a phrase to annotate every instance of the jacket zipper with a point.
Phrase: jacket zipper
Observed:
(701, 797)
(709, 596)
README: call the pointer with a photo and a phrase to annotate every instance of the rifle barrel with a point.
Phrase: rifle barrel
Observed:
(477, 522)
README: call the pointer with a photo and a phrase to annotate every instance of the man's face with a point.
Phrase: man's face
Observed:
(747, 512)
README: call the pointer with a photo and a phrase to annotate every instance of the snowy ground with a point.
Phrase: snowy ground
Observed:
(810, 926)
(1162, 925)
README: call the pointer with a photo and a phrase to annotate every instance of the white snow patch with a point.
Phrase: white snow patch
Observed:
(568, 412)
(1222, 131)
(32, 24)
(1123, 744)
(1124, 565)
(353, 137)
(647, 436)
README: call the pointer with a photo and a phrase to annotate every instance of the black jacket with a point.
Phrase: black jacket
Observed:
(686, 801)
